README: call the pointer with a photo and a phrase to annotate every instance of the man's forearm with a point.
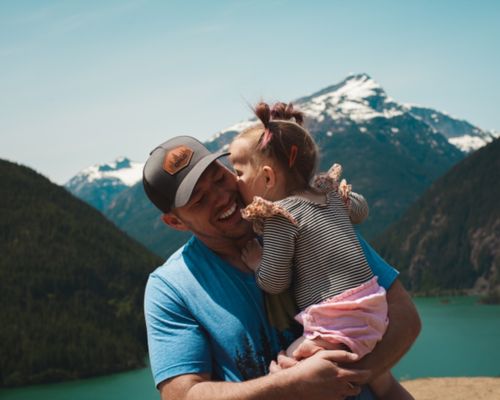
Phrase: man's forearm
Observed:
(316, 378)
(268, 387)
(404, 327)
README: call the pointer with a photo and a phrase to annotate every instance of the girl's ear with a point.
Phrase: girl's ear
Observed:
(269, 176)
(174, 222)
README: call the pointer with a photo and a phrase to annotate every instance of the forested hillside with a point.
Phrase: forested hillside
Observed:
(71, 285)
(450, 239)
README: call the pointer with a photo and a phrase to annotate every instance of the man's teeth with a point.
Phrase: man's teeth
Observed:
(229, 212)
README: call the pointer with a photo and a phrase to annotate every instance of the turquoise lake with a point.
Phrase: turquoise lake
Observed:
(459, 338)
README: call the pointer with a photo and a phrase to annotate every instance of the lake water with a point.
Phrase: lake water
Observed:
(459, 338)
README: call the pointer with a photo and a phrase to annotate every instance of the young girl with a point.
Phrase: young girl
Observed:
(309, 242)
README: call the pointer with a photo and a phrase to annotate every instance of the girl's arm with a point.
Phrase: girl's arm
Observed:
(274, 274)
(358, 208)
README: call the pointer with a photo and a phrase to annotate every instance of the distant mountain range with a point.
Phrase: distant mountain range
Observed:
(71, 285)
(358, 99)
(459, 133)
(99, 184)
(391, 153)
(450, 238)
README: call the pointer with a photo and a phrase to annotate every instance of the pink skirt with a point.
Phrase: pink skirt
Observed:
(356, 318)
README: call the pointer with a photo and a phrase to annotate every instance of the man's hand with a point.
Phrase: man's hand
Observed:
(337, 356)
(323, 377)
(252, 254)
(315, 378)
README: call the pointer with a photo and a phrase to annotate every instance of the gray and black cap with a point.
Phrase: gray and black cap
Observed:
(173, 169)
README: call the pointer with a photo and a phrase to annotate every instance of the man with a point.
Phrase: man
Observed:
(208, 334)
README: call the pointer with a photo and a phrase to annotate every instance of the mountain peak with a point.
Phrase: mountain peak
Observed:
(99, 184)
(360, 77)
(119, 163)
(122, 169)
(351, 82)
(360, 86)
(357, 98)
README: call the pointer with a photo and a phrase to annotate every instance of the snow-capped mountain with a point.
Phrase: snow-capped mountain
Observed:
(99, 184)
(459, 132)
(390, 154)
(359, 99)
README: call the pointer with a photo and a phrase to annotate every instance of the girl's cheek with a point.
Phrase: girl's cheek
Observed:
(241, 185)
(244, 191)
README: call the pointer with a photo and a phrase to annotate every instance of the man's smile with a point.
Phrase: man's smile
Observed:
(228, 213)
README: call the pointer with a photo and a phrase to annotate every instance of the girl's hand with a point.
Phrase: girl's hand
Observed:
(283, 362)
(252, 254)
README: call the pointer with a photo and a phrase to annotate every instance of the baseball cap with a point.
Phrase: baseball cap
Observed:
(173, 169)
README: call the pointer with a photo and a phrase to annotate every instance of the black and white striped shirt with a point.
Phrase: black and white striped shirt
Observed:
(320, 256)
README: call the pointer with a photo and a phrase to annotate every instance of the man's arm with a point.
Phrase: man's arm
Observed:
(404, 327)
(404, 322)
(316, 378)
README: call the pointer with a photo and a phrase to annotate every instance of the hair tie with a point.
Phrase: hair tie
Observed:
(266, 138)
(293, 155)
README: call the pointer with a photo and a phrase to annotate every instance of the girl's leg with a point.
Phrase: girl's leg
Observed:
(302, 347)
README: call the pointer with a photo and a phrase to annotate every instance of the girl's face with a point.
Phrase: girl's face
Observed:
(251, 180)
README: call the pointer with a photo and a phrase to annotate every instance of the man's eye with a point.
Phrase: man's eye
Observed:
(220, 178)
(199, 201)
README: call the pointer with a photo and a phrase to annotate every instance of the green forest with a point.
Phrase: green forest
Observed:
(71, 285)
(450, 238)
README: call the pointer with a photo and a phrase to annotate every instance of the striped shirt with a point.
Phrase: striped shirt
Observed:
(319, 256)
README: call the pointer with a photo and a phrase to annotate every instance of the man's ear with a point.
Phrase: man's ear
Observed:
(174, 222)
(269, 176)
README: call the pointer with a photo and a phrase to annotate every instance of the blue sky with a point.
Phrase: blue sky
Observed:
(83, 82)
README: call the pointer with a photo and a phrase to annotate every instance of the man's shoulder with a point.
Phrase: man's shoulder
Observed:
(176, 264)
(183, 265)
(170, 280)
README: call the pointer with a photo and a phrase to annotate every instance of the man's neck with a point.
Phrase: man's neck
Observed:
(229, 250)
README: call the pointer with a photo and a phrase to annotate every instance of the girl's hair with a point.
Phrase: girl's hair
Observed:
(281, 137)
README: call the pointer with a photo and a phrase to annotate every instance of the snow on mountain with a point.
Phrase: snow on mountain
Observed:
(240, 126)
(126, 171)
(222, 138)
(359, 99)
(468, 143)
(459, 132)
(100, 184)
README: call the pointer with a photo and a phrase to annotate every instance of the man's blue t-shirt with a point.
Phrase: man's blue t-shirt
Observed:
(204, 315)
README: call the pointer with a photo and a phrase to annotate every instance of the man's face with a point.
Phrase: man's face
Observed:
(213, 211)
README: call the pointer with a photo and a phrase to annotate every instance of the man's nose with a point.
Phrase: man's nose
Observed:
(220, 190)
(221, 193)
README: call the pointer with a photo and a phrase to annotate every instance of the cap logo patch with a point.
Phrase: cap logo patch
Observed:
(177, 159)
